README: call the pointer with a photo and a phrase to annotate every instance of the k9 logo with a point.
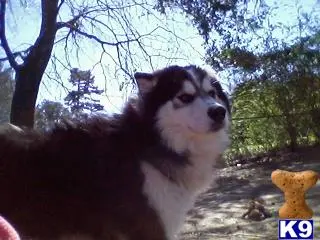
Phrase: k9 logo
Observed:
(295, 229)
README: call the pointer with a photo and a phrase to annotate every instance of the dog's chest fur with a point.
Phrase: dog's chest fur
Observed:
(172, 182)
(171, 201)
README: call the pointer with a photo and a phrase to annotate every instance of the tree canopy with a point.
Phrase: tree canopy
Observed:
(49, 113)
(269, 60)
(82, 97)
(71, 33)
(271, 64)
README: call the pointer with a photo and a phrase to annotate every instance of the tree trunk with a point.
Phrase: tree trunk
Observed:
(315, 118)
(292, 131)
(25, 97)
(29, 74)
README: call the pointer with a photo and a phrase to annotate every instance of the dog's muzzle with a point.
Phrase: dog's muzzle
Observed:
(217, 114)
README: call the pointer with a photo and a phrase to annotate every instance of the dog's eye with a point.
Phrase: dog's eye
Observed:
(212, 93)
(186, 98)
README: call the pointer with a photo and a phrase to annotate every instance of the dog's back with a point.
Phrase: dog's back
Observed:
(76, 179)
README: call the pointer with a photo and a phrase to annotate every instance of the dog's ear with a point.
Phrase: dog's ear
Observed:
(145, 81)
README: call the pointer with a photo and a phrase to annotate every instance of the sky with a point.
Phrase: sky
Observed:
(175, 41)
(163, 45)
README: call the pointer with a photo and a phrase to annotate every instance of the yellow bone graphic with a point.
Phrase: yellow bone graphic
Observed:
(294, 185)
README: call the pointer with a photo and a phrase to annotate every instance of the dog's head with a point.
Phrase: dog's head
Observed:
(185, 102)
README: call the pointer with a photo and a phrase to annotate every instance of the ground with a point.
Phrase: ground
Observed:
(218, 212)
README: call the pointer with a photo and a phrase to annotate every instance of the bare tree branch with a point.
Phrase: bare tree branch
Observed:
(60, 4)
(4, 42)
(22, 54)
(70, 24)
(90, 36)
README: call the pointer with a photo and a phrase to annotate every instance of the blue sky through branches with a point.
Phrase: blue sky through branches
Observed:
(174, 41)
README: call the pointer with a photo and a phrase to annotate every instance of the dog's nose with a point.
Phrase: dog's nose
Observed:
(217, 113)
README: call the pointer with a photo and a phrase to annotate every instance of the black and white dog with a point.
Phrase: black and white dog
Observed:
(133, 176)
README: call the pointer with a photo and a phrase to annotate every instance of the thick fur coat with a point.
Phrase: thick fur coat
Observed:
(132, 176)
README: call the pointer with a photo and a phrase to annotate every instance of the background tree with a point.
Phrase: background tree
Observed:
(223, 24)
(72, 31)
(82, 98)
(278, 102)
(281, 88)
(272, 66)
(48, 113)
(29, 74)
(6, 91)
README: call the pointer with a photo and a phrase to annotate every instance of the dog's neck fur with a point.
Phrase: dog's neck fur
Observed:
(183, 168)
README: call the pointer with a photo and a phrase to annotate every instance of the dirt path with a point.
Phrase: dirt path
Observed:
(217, 213)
